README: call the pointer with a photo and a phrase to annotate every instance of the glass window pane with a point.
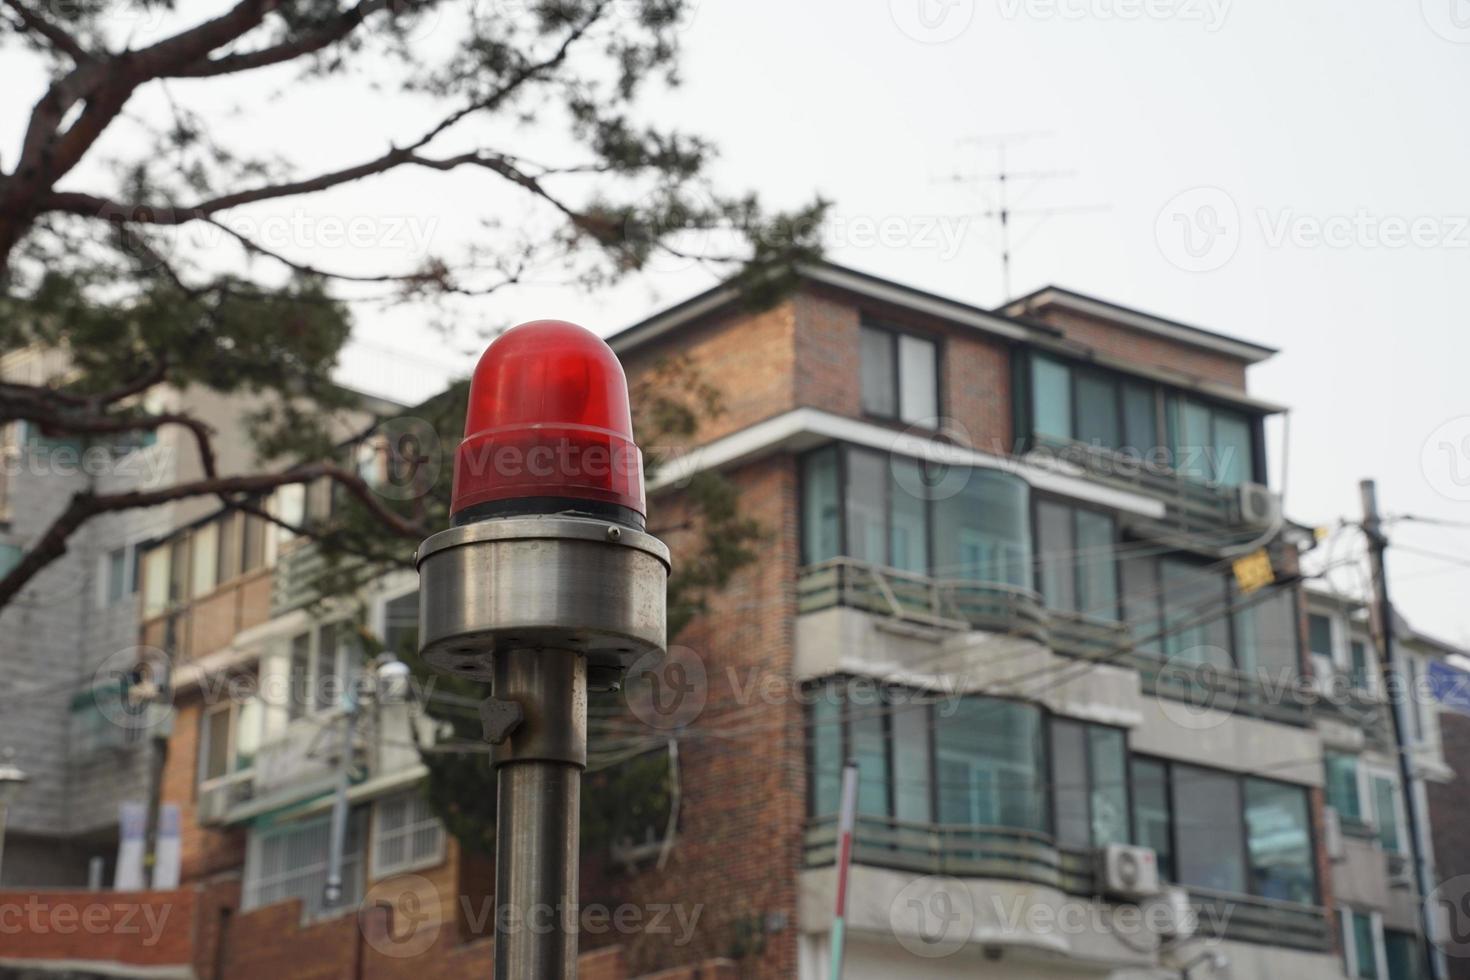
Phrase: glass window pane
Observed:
(1141, 603)
(1140, 419)
(1319, 635)
(401, 626)
(991, 765)
(867, 525)
(1386, 812)
(1279, 842)
(1108, 752)
(1362, 671)
(1404, 954)
(870, 749)
(178, 568)
(1195, 614)
(982, 533)
(917, 379)
(254, 547)
(826, 737)
(205, 563)
(216, 744)
(156, 575)
(820, 506)
(1056, 548)
(1069, 782)
(908, 518)
(1051, 398)
(229, 547)
(1151, 812)
(1208, 828)
(300, 691)
(1363, 946)
(1097, 573)
(878, 396)
(1233, 463)
(1192, 441)
(1097, 410)
(911, 763)
(247, 733)
(1266, 636)
(1342, 785)
(117, 574)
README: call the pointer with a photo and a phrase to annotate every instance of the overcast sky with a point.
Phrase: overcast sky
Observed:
(1291, 173)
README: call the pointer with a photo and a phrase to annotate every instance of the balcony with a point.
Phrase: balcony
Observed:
(1009, 854)
(954, 604)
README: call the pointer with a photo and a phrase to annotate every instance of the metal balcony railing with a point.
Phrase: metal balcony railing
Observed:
(1012, 854)
(956, 604)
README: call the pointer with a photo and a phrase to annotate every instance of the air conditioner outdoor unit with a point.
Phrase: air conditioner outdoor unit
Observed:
(214, 803)
(1128, 871)
(1258, 506)
(1172, 914)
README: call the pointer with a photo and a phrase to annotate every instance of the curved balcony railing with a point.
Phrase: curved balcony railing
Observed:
(961, 851)
(1012, 854)
(961, 604)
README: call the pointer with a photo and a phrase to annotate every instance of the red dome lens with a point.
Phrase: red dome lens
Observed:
(548, 417)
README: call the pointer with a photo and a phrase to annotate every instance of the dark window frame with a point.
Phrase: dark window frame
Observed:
(895, 331)
(1039, 497)
(1052, 719)
(1166, 397)
(1241, 778)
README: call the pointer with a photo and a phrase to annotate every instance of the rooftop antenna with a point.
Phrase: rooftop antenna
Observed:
(1003, 208)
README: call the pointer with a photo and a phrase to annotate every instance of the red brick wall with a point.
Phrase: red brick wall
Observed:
(203, 851)
(1138, 347)
(1448, 805)
(146, 929)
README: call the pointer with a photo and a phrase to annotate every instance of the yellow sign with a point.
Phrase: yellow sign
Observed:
(1254, 571)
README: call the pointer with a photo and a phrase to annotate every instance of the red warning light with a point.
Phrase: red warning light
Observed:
(548, 424)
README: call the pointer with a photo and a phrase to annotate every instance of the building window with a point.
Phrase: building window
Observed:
(229, 738)
(1361, 665)
(112, 570)
(900, 376)
(407, 835)
(978, 762)
(1344, 792)
(1404, 953)
(1188, 613)
(1387, 814)
(1279, 842)
(1224, 832)
(1360, 943)
(1090, 783)
(10, 556)
(1081, 403)
(1077, 567)
(1320, 643)
(289, 860)
(886, 510)
(401, 625)
(324, 662)
(156, 579)
(205, 559)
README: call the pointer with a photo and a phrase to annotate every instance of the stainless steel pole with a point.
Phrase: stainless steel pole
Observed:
(337, 841)
(539, 768)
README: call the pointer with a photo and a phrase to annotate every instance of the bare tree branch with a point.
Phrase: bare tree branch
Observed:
(58, 36)
(309, 43)
(84, 506)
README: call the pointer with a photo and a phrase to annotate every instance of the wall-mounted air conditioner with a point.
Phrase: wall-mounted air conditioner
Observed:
(1128, 871)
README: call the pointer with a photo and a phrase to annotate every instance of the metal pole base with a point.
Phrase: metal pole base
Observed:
(539, 769)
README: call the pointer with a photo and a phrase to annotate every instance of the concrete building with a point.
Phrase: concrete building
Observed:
(1022, 565)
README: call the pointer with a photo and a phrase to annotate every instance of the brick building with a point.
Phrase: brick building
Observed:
(1000, 569)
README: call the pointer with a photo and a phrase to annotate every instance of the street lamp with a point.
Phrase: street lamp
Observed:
(545, 585)
(12, 780)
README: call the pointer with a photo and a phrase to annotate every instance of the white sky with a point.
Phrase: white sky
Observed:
(1348, 120)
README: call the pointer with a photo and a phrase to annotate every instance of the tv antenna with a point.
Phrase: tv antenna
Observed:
(1002, 207)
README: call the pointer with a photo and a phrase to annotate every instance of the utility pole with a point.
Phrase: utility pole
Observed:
(158, 687)
(547, 586)
(1400, 691)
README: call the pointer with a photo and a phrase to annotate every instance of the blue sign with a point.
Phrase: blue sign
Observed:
(1450, 686)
